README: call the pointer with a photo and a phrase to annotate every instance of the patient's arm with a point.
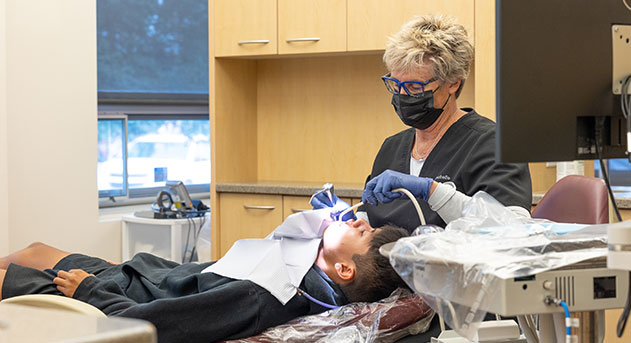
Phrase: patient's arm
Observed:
(68, 281)
(449, 203)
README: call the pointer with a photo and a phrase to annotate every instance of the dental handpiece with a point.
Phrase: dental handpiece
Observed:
(328, 189)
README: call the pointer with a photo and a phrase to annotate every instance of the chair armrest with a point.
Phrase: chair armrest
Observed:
(56, 302)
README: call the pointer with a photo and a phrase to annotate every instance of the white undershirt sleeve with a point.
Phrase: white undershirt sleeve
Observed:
(448, 203)
(362, 215)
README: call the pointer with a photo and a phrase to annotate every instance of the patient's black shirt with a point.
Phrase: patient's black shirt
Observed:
(465, 155)
(184, 304)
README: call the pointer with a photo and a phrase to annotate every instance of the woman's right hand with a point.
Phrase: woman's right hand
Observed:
(380, 189)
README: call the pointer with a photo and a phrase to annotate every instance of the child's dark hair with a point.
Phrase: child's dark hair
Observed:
(375, 278)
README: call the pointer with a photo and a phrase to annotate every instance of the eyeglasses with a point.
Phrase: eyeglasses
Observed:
(412, 88)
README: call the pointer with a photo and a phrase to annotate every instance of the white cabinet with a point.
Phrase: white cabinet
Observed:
(167, 238)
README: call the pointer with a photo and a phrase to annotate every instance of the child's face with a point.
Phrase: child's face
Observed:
(344, 239)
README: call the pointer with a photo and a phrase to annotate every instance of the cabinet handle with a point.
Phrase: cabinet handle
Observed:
(296, 210)
(254, 41)
(306, 39)
(248, 207)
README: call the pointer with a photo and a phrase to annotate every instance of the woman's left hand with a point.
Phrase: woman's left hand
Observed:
(68, 281)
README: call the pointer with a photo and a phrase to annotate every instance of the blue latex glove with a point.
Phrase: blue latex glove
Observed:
(323, 198)
(380, 188)
(326, 198)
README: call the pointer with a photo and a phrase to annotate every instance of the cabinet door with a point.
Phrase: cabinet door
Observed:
(295, 204)
(308, 26)
(370, 22)
(247, 216)
(245, 27)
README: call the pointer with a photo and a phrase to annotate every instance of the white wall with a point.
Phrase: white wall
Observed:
(51, 128)
(4, 192)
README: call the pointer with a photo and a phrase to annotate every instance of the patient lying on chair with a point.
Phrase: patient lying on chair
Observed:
(195, 303)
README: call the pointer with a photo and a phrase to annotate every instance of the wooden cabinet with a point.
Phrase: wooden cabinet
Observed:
(611, 322)
(244, 27)
(269, 27)
(307, 26)
(247, 216)
(370, 22)
(294, 204)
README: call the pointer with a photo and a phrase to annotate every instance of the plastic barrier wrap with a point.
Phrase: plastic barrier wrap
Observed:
(456, 270)
(397, 316)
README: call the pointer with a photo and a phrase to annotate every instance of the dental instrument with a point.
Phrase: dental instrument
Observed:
(327, 188)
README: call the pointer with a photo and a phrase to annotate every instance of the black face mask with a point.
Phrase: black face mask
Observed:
(418, 113)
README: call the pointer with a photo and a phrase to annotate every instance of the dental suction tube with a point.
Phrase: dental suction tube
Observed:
(400, 190)
(416, 205)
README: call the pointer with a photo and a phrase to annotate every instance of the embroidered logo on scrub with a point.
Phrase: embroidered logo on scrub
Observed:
(442, 178)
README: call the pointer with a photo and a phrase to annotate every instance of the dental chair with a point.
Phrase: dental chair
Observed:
(55, 302)
(575, 199)
(402, 314)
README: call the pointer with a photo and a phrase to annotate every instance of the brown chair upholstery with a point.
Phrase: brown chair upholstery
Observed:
(575, 199)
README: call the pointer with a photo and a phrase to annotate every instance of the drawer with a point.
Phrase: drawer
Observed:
(247, 216)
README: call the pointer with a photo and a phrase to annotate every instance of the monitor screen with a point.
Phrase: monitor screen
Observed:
(554, 79)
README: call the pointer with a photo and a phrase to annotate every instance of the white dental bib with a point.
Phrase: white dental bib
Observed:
(280, 261)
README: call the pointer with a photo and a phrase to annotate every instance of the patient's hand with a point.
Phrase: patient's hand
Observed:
(68, 281)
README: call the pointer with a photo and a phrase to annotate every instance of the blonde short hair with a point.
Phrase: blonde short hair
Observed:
(434, 39)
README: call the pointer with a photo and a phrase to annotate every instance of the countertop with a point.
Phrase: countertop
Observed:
(348, 190)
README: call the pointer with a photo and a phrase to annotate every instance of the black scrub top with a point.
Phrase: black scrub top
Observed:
(465, 155)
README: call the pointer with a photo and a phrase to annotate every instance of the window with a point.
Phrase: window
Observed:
(152, 46)
(111, 157)
(153, 97)
(619, 172)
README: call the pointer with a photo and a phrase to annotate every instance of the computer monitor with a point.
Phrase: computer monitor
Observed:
(555, 66)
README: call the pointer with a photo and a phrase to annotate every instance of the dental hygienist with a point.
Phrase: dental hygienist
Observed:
(448, 153)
